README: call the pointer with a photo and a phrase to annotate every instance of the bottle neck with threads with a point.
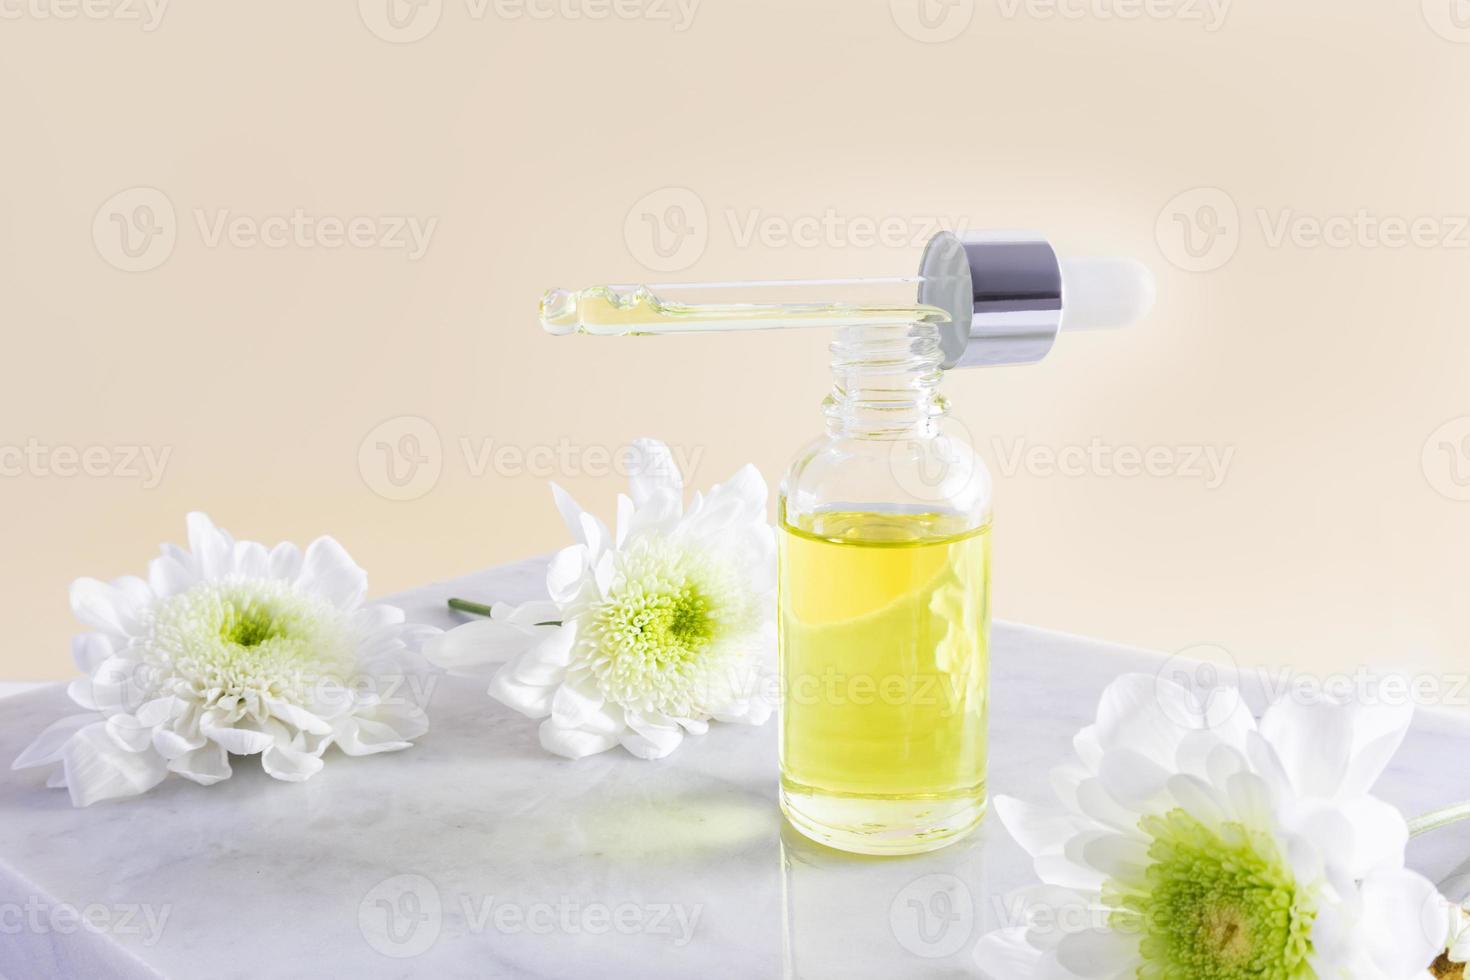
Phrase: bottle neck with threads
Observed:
(885, 382)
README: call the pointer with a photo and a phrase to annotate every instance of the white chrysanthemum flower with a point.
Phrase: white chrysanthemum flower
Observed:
(228, 648)
(648, 636)
(1244, 850)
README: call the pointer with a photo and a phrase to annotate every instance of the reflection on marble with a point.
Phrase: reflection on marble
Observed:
(475, 854)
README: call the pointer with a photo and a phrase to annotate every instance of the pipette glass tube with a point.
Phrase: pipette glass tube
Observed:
(703, 307)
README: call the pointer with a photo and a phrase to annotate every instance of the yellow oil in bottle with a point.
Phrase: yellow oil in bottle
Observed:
(885, 658)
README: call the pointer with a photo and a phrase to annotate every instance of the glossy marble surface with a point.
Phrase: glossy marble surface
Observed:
(474, 854)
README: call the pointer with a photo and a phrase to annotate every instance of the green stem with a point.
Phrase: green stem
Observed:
(1435, 819)
(480, 609)
(465, 605)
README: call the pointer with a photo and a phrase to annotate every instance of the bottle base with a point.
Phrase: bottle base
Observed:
(881, 826)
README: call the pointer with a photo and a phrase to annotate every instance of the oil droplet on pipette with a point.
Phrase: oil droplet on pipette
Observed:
(621, 311)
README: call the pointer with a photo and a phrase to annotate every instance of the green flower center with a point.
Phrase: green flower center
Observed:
(1216, 903)
(660, 632)
(249, 622)
(229, 640)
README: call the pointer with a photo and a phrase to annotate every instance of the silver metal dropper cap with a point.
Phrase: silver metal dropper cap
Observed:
(1008, 295)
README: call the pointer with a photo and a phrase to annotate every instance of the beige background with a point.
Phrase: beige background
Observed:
(544, 144)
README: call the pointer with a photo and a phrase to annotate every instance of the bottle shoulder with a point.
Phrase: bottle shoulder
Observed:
(929, 475)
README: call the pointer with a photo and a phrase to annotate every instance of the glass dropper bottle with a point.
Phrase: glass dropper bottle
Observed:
(884, 520)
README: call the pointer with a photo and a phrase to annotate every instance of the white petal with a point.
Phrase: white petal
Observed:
(205, 765)
(1405, 931)
(118, 684)
(1251, 798)
(289, 764)
(1098, 953)
(649, 738)
(1313, 742)
(1146, 714)
(1378, 731)
(168, 576)
(1132, 778)
(566, 574)
(573, 743)
(1005, 955)
(482, 643)
(47, 747)
(129, 733)
(651, 468)
(96, 769)
(251, 560)
(660, 513)
(1199, 799)
(329, 571)
(571, 512)
(586, 709)
(79, 689)
(171, 744)
(285, 561)
(1037, 830)
(1097, 805)
(529, 682)
(390, 728)
(112, 607)
(1380, 835)
(237, 741)
(297, 716)
(212, 547)
(1120, 857)
(89, 650)
(537, 612)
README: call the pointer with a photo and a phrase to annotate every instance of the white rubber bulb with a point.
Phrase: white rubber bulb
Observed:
(1099, 293)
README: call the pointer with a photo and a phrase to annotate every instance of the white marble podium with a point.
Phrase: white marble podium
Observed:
(474, 854)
